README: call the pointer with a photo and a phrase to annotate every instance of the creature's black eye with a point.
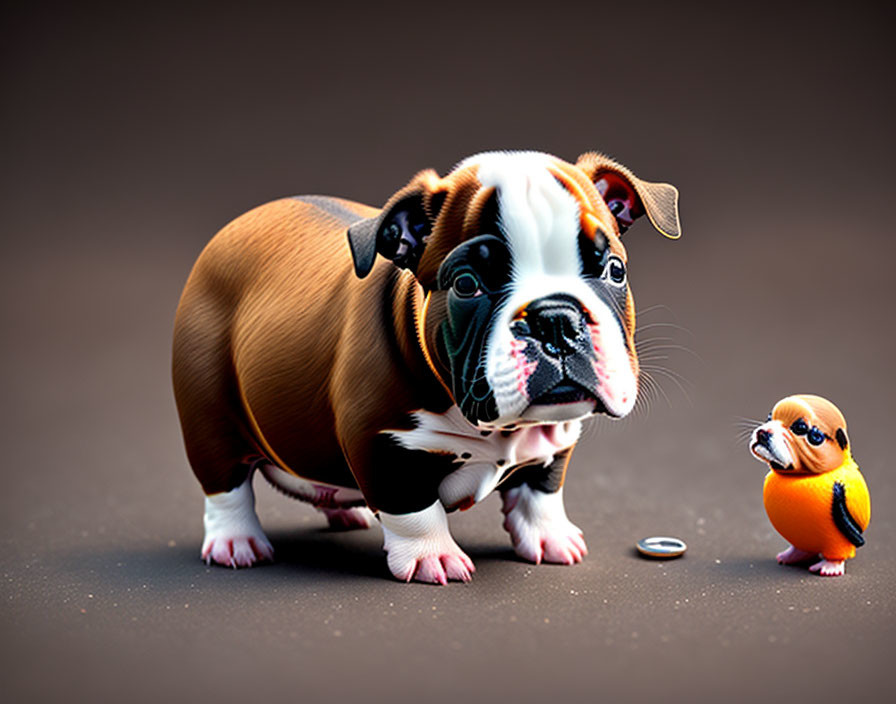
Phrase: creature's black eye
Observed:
(466, 285)
(769, 417)
(815, 437)
(799, 427)
(617, 270)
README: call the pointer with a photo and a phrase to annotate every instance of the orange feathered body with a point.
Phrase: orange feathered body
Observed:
(800, 508)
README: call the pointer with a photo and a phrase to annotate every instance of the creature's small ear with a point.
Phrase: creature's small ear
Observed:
(840, 437)
(628, 197)
(401, 229)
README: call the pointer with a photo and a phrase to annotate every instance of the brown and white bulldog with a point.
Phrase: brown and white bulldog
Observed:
(453, 347)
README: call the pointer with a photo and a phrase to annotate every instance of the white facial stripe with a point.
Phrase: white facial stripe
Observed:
(536, 213)
(540, 220)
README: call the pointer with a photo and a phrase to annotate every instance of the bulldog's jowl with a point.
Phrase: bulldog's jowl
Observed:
(415, 357)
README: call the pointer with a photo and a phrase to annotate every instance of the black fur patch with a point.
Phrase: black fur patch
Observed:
(405, 481)
(545, 478)
(843, 519)
(840, 436)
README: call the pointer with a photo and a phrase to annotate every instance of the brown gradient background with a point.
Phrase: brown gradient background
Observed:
(129, 137)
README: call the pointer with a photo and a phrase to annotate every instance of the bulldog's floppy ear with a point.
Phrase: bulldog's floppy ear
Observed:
(401, 229)
(628, 197)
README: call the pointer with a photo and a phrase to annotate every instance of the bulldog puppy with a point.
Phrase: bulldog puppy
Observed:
(815, 495)
(410, 360)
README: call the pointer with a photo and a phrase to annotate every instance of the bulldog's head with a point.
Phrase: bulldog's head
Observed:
(528, 315)
(803, 434)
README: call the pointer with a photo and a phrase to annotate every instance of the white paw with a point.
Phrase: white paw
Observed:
(359, 517)
(420, 548)
(240, 551)
(829, 568)
(233, 535)
(539, 528)
(794, 556)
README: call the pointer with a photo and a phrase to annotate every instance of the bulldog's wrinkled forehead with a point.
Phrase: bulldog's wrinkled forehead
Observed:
(541, 208)
(541, 200)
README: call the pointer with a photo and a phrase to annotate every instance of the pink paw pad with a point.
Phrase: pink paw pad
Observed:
(237, 552)
(564, 549)
(439, 569)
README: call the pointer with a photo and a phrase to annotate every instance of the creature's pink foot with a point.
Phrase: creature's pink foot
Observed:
(349, 518)
(794, 556)
(539, 528)
(238, 551)
(829, 568)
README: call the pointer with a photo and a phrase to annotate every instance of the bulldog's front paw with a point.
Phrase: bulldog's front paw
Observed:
(539, 528)
(420, 548)
(239, 551)
(233, 535)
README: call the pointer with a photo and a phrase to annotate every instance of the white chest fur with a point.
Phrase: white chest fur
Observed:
(486, 454)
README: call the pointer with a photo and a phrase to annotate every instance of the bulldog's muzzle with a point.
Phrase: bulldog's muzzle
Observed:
(557, 338)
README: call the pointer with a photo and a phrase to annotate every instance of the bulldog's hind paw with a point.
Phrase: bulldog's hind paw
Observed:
(233, 535)
(829, 568)
(359, 517)
(420, 548)
(539, 528)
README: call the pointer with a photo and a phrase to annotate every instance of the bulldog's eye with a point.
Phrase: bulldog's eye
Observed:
(815, 436)
(799, 427)
(616, 270)
(466, 285)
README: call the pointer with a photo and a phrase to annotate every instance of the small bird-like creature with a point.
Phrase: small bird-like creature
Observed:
(815, 496)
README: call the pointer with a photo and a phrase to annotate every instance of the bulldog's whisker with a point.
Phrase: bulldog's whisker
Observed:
(654, 308)
(676, 378)
(648, 347)
(656, 385)
(675, 326)
(653, 358)
(640, 339)
(643, 343)
(647, 395)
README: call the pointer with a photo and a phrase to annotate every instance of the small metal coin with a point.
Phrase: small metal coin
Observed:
(662, 546)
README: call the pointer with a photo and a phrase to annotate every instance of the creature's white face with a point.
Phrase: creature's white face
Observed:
(582, 309)
(768, 445)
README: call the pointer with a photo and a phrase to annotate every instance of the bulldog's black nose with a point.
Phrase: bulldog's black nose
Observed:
(556, 322)
(763, 437)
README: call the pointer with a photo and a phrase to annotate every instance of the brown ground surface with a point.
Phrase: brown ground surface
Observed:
(129, 139)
